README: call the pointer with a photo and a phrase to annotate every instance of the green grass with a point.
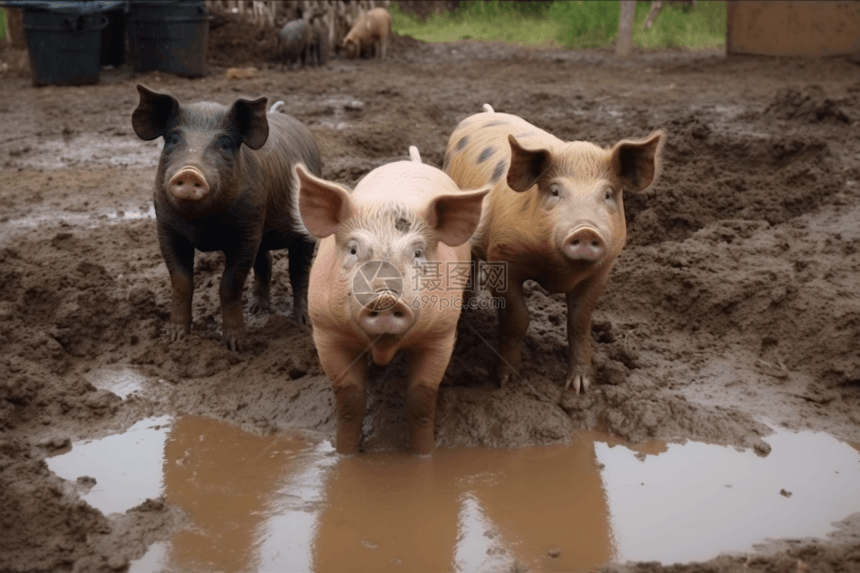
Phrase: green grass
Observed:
(572, 24)
(489, 21)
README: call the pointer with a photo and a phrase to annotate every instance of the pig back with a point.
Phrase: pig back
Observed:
(370, 26)
(289, 143)
(380, 22)
(293, 35)
(479, 154)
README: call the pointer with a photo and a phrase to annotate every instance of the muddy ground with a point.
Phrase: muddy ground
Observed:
(735, 304)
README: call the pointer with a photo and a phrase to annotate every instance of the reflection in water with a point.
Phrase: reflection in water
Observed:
(126, 467)
(281, 504)
(224, 479)
(465, 510)
(698, 500)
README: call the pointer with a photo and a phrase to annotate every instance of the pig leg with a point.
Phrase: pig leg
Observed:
(238, 265)
(580, 304)
(301, 253)
(426, 367)
(262, 282)
(178, 254)
(513, 324)
(347, 369)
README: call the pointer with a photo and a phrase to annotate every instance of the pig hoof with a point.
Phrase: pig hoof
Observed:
(259, 305)
(505, 378)
(233, 343)
(579, 378)
(301, 318)
(177, 332)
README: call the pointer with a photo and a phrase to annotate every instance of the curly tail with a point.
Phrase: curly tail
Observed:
(488, 108)
(414, 155)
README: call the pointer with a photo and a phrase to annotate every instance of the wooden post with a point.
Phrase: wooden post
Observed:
(15, 28)
(652, 13)
(624, 44)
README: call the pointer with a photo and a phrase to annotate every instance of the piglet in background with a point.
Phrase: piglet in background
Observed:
(371, 31)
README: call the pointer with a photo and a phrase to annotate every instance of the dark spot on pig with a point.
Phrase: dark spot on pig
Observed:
(486, 154)
(495, 123)
(462, 143)
(524, 134)
(499, 170)
(402, 225)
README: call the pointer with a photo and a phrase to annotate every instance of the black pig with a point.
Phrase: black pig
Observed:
(225, 183)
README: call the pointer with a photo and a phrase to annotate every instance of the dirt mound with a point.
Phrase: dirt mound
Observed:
(810, 104)
(712, 173)
(236, 42)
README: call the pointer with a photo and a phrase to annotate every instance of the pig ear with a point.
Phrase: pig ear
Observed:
(635, 162)
(455, 216)
(322, 205)
(249, 119)
(153, 114)
(527, 165)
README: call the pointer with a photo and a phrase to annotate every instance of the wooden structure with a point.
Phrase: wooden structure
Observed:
(793, 28)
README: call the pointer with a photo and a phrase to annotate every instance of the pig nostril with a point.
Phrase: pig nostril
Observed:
(373, 314)
(179, 182)
(398, 314)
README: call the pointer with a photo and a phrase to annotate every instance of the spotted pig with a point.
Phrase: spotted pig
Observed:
(554, 215)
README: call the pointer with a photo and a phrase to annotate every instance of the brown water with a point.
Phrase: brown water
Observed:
(288, 503)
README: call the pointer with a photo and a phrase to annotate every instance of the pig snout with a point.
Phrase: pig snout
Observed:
(584, 244)
(188, 184)
(385, 314)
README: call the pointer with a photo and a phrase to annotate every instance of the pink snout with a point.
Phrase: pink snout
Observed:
(386, 314)
(584, 244)
(189, 184)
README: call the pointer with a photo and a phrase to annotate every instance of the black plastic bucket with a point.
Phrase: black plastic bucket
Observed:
(169, 36)
(64, 46)
(113, 38)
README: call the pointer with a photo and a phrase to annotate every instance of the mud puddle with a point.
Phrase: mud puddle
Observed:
(288, 502)
(121, 149)
(48, 216)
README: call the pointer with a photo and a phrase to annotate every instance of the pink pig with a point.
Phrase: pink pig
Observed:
(366, 292)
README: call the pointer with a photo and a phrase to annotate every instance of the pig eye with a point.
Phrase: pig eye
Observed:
(352, 248)
(170, 140)
(554, 191)
(225, 143)
(609, 194)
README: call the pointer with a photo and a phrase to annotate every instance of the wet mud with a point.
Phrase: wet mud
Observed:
(731, 317)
